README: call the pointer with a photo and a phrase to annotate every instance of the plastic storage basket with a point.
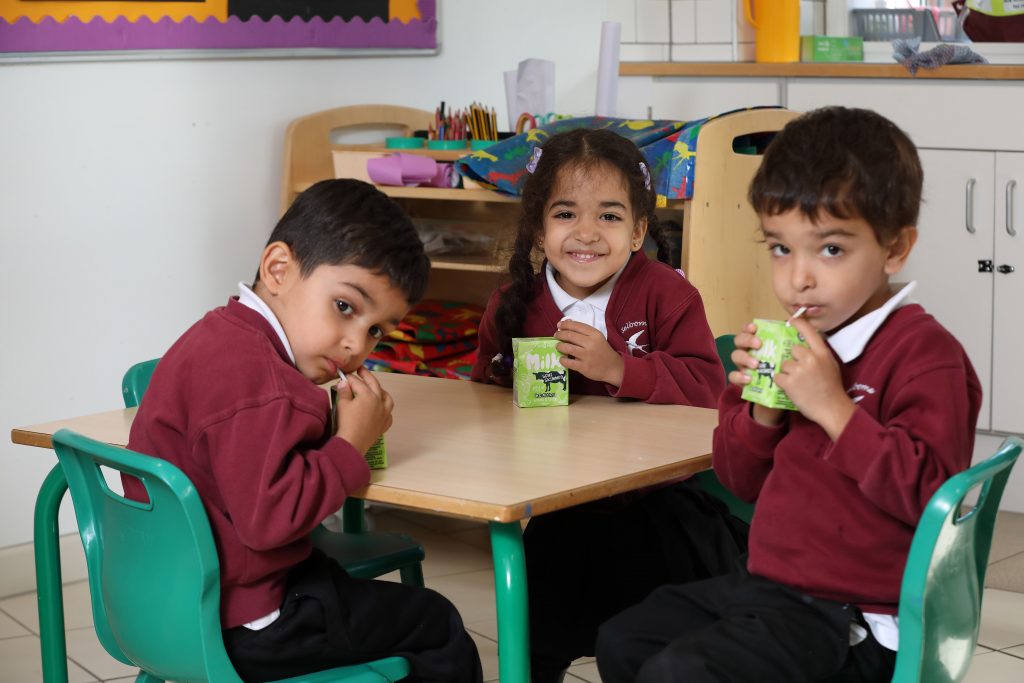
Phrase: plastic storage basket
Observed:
(890, 24)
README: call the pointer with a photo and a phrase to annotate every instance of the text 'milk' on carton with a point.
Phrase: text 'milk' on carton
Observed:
(539, 378)
(777, 342)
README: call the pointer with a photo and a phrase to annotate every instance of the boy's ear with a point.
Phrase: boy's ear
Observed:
(639, 233)
(899, 249)
(276, 266)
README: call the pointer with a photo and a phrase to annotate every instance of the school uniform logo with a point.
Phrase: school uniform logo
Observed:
(858, 392)
(634, 333)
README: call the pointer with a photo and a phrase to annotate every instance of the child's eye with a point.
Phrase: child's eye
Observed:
(778, 250)
(610, 217)
(343, 306)
(564, 215)
(376, 332)
(832, 250)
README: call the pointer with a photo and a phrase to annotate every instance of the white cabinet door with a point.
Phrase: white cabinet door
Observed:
(1008, 326)
(955, 232)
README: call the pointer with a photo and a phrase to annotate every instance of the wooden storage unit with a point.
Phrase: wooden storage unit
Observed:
(721, 253)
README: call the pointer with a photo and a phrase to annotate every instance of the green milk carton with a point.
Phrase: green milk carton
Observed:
(777, 342)
(377, 456)
(538, 376)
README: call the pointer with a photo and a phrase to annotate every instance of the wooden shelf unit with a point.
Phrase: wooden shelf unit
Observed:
(721, 254)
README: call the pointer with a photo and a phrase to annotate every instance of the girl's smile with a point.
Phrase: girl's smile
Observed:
(589, 228)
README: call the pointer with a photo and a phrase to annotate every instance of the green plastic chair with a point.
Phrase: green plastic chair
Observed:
(943, 583)
(154, 577)
(708, 479)
(364, 554)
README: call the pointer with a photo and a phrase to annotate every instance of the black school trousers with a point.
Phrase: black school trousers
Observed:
(738, 628)
(330, 619)
(587, 563)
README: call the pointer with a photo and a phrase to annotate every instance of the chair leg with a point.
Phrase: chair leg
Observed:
(412, 575)
(352, 516)
(144, 677)
(52, 645)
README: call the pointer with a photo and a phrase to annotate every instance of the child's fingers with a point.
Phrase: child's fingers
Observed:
(343, 390)
(739, 378)
(746, 340)
(370, 381)
(568, 350)
(814, 340)
(742, 359)
(571, 325)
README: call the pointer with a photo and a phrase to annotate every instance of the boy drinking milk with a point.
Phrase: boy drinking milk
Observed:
(885, 401)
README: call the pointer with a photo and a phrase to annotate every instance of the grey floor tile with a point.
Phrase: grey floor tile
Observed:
(85, 650)
(20, 663)
(1008, 536)
(1002, 619)
(77, 607)
(472, 593)
(995, 667)
(488, 650)
(1007, 574)
(586, 671)
(9, 628)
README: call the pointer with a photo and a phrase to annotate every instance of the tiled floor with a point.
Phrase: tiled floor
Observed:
(459, 565)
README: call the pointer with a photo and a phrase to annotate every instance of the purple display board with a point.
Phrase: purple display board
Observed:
(262, 28)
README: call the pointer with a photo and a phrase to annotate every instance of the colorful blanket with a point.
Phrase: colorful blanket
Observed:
(669, 146)
(436, 338)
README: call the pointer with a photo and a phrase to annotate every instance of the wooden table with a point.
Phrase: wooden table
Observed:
(459, 449)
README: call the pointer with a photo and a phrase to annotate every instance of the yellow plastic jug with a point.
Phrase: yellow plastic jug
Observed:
(776, 29)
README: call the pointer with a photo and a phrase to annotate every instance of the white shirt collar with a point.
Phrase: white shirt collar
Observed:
(250, 299)
(590, 310)
(849, 342)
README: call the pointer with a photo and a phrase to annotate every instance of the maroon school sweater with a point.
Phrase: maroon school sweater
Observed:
(656, 322)
(229, 409)
(835, 520)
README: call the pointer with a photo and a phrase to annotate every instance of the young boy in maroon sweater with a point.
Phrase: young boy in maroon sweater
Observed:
(235, 404)
(886, 401)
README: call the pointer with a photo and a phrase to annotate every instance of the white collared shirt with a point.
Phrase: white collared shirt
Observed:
(589, 311)
(250, 299)
(849, 343)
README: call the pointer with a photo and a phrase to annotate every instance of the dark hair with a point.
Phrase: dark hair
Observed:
(585, 149)
(850, 163)
(341, 222)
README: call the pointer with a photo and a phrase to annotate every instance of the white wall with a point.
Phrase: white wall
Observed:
(135, 195)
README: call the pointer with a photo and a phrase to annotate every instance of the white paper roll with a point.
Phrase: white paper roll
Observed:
(510, 98)
(608, 69)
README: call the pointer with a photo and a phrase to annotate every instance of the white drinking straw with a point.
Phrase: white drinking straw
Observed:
(799, 312)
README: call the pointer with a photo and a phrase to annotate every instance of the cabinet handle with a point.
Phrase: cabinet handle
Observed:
(1009, 208)
(1005, 269)
(969, 218)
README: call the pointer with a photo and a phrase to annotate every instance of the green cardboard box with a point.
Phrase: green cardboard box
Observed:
(377, 456)
(777, 342)
(539, 379)
(831, 49)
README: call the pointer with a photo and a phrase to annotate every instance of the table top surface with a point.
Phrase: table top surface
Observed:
(463, 449)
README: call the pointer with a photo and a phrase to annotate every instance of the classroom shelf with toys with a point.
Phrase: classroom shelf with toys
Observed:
(720, 252)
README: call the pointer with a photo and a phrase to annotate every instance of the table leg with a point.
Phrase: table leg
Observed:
(510, 596)
(48, 577)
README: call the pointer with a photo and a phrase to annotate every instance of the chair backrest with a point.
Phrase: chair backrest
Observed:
(153, 572)
(136, 380)
(307, 143)
(708, 479)
(940, 599)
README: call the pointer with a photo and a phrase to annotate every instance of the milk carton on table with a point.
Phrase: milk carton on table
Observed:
(539, 379)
